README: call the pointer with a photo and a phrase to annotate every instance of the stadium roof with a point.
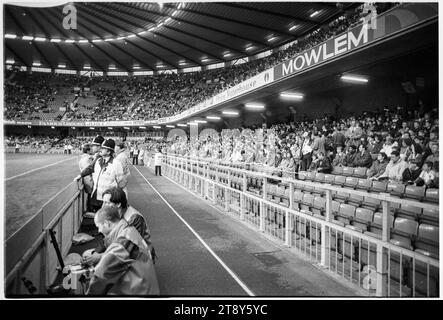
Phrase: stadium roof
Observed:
(135, 36)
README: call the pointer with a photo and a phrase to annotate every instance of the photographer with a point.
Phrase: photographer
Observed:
(125, 268)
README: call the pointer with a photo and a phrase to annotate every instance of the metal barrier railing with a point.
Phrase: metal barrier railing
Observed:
(366, 259)
(30, 255)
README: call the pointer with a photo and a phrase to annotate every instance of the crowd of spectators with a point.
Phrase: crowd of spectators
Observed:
(149, 97)
(392, 145)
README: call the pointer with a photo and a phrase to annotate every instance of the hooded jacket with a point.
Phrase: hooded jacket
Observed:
(126, 266)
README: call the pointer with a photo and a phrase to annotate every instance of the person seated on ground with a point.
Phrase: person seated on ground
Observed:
(339, 159)
(362, 158)
(126, 267)
(378, 166)
(394, 169)
(412, 172)
(427, 176)
(350, 156)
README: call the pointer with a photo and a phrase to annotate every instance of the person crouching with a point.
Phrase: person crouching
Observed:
(126, 267)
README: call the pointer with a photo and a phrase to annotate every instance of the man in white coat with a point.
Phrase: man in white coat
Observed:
(158, 162)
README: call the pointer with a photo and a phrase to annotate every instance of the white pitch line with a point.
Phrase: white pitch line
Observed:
(232, 274)
(30, 171)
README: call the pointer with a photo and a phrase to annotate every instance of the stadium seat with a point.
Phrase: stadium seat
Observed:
(408, 211)
(379, 186)
(376, 226)
(329, 178)
(430, 216)
(355, 200)
(364, 184)
(348, 171)
(319, 177)
(427, 242)
(431, 195)
(346, 213)
(362, 220)
(404, 233)
(298, 197)
(341, 196)
(371, 203)
(311, 176)
(360, 172)
(307, 202)
(396, 189)
(414, 192)
(302, 175)
(318, 191)
(339, 180)
(318, 206)
(337, 170)
(351, 182)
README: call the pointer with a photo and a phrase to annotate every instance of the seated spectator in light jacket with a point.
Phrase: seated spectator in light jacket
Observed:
(394, 169)
(378, 166)
(427, 176)
(362, 158)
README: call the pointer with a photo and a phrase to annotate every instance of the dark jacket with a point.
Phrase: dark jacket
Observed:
(363, 160)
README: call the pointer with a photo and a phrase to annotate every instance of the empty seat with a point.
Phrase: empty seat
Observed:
(302, 175)
(431, 195)
(337, 170)
(364, 184)
(360, 172)
(408, 211)
(376, 226)
(346, 213)
(427, 240)
(355, 200)
(319, 177)
(329, 178)
(341, 196)
(396, 189)
(414, 192)
(430, 216)
(351, 182)
(379, 186)
(339, 180)
(298, 197)
(348, 171)
(307, 201)
(404, 232)
(362, 220)
(318, 206)
(311, 176)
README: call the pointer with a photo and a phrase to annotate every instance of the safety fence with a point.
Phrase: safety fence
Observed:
(32, 260)
(364, 248)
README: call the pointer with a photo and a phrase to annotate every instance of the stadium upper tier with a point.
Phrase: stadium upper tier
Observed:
(80, 98)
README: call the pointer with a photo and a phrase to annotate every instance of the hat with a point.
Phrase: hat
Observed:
(98, 140)
(109, 144)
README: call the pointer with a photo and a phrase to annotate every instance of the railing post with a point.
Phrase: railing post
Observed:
(325, 231)
(242, 197)
(227, 192)
(262, 204)
(382, 254)
(288, 240)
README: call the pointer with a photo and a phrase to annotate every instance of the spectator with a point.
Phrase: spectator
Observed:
(362, 158)
(306, 152)
(125, 268)
(158, 162)
(394, 169)
(427, 176)
(120, 151)
(378, 167)
(339, 160)
(412, 172)
(350, 156)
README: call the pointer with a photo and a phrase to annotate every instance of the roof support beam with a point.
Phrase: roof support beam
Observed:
(36, 21)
